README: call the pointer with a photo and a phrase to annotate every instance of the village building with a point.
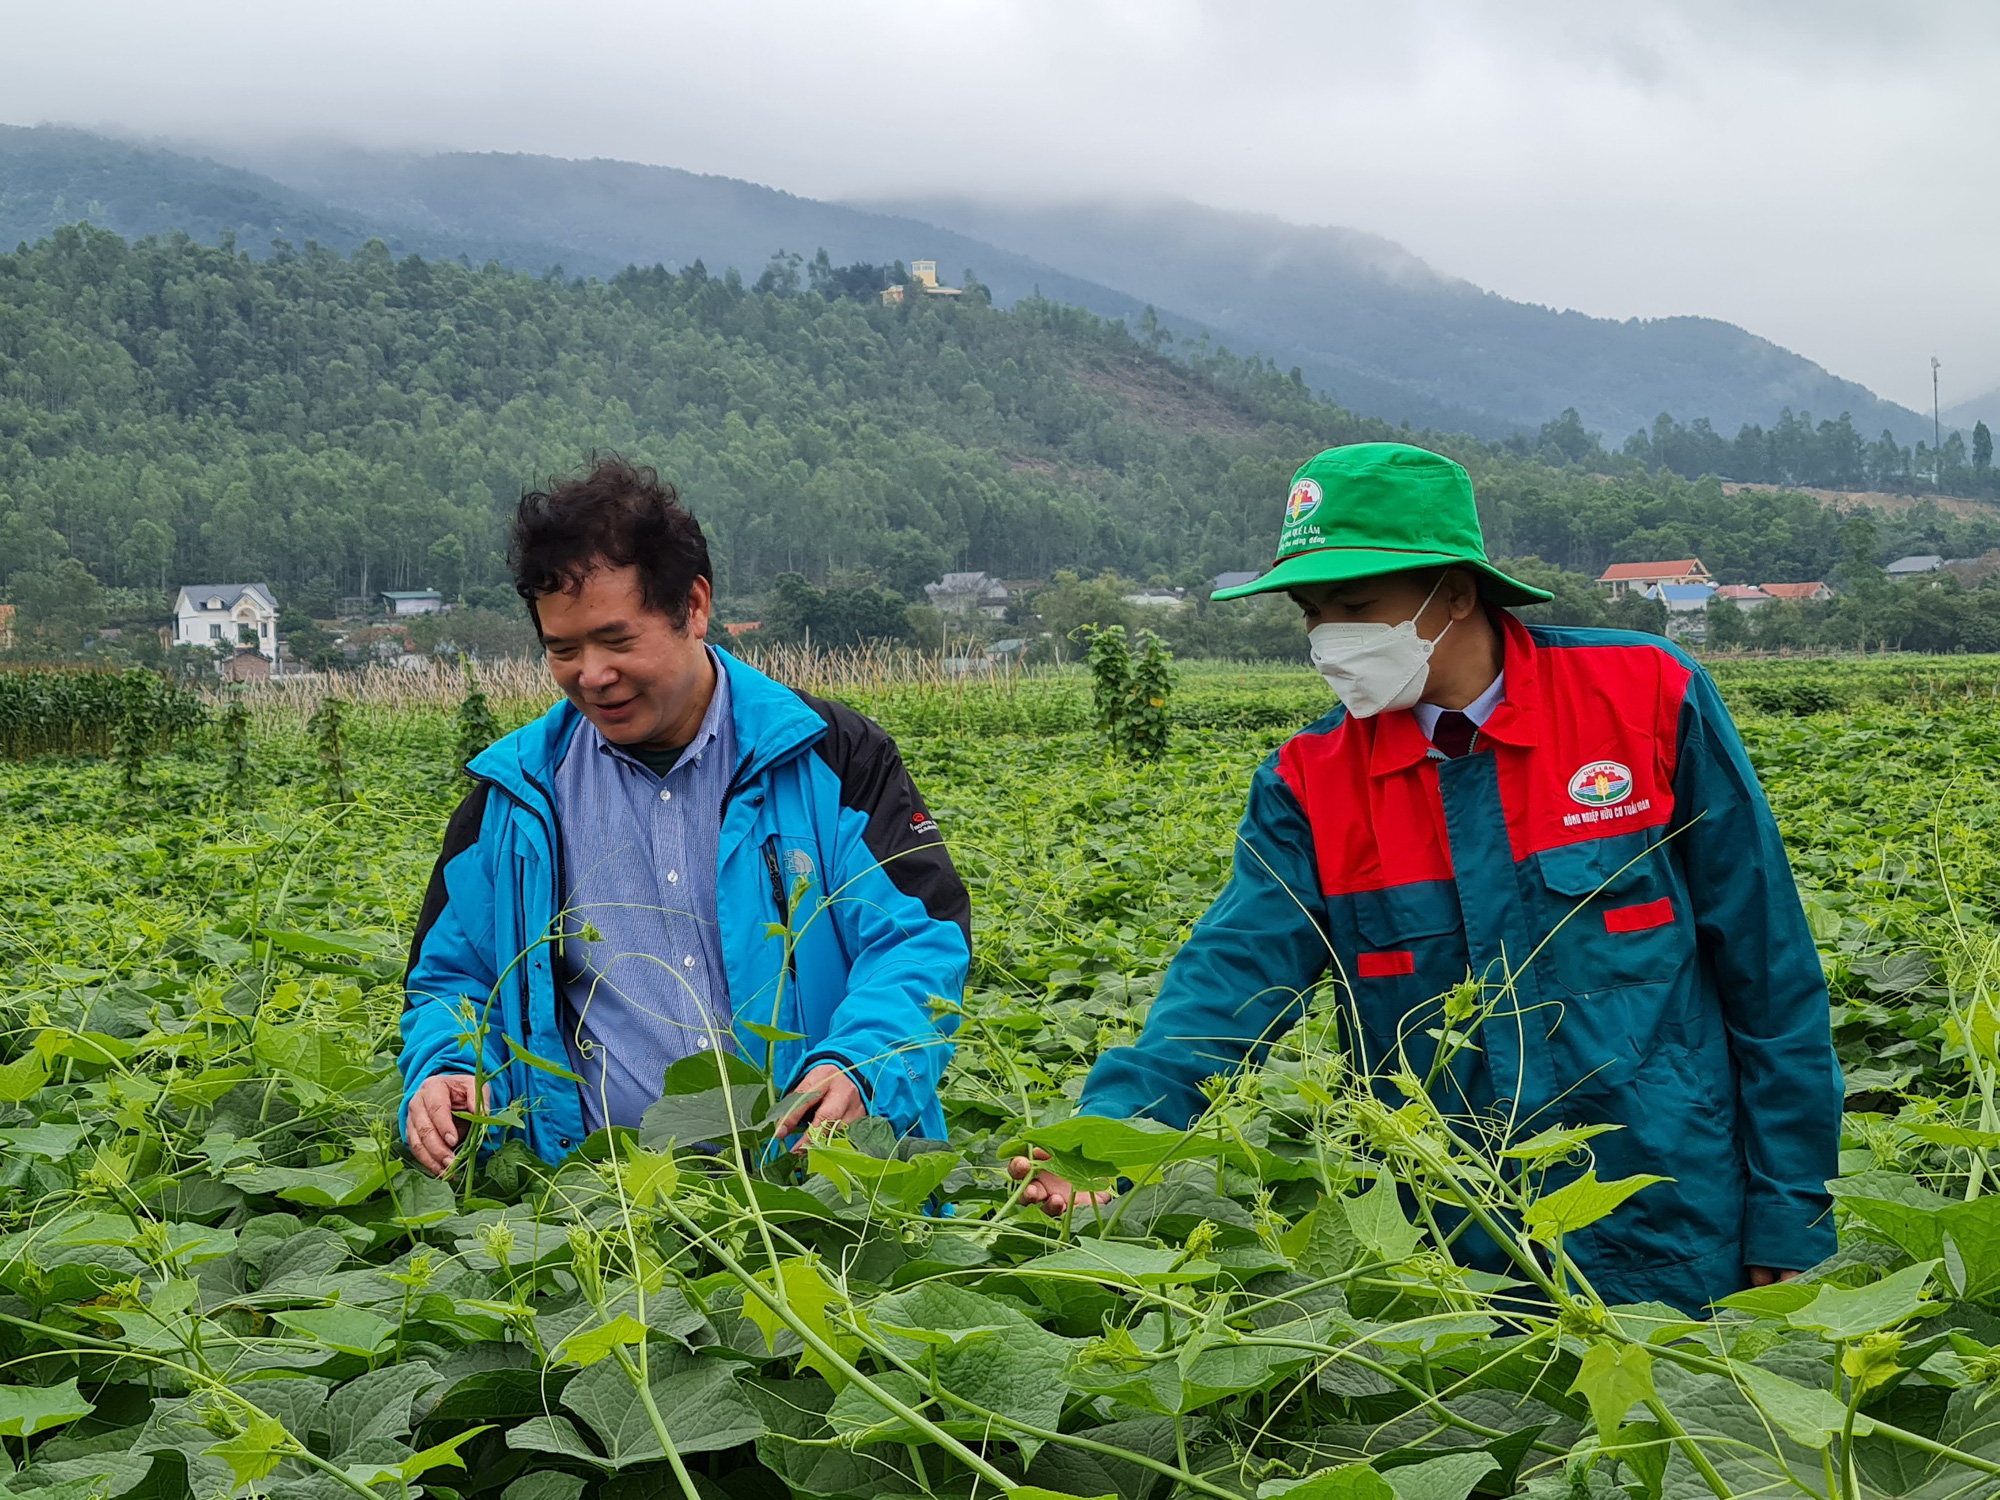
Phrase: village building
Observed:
(6, 626)
(227, 614)
(411, 601)
(1800, 593)
(1639, 577)
(923, 273)
(1231, 580)
(1745, 596)
(1911, 567)
(247, 666)
(969, 594)
(1157, 598)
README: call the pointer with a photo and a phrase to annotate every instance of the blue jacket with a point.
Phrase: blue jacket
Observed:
(822, 831)
(1606, 848)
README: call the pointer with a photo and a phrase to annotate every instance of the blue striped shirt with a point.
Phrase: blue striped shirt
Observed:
(640, 852)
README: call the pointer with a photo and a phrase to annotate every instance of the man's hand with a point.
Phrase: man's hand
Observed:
(1765, 1276)
(839, 1103)
(430, 1129)
(1054, 1193)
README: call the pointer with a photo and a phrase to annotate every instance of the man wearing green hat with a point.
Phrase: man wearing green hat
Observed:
(1567, 818)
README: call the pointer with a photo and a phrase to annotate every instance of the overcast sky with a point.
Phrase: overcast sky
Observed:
(1821, 171)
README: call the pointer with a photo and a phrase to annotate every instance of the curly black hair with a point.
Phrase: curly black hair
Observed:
(611, 514)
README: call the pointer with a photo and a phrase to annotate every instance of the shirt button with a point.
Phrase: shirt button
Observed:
(673, 877)
(665, 795)
(688, 962)
(704, 1044)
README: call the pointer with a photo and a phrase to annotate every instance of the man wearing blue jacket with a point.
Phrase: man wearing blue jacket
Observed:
(683, 855)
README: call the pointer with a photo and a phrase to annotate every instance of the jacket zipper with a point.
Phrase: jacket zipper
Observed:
(775, 868)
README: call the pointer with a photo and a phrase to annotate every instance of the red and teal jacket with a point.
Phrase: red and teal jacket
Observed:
(1606, 846)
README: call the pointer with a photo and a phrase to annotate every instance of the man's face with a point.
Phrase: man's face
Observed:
(622, 663)
(1387, 599)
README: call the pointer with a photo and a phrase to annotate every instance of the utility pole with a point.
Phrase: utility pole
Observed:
(1937, 428)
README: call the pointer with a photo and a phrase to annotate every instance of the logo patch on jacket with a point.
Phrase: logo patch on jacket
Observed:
(1602, 783)
(923, 822)
(801, 862)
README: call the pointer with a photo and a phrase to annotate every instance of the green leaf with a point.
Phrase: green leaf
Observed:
(351, 1330)
(23, 1078)
(1773, 1301)
(1353, 1482)
(991, 1355)
(545, 1484)
(688, 1117)
(1838, 1313)
(1808, 1416)
(1581, 1203)
(1449, 1478)
(1613, 1378)
(900, 1184)
(588, 1347)
(1036, 1492)
(1093, 1153)
(1917, 1221)
(52, 1142)
(697, 1399)
(1555, 1143)
(255, 1451)
(810, 1297)
(540, 1064)
(438, 1456)
(771, 1034)
(28, 1409)
(1376, 1217)
(341, 1185)
(1120, 1263)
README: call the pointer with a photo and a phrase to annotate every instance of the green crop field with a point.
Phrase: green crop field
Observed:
(218, 1274)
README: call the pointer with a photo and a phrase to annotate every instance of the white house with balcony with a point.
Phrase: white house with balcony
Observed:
(238, 615)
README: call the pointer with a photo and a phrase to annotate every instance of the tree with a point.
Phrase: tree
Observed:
(1982, 448)
(447, 559)
(56, 608)
(1727, 627)
(148, 551)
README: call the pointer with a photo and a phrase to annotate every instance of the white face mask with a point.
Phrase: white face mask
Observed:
(1376, 667)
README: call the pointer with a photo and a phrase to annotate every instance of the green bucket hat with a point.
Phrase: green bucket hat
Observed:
(1372, 508)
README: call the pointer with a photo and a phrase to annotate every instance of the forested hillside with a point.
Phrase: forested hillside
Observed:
(171, 411)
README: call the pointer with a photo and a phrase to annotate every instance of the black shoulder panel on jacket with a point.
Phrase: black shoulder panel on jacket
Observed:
(901, 833)
(460, 834)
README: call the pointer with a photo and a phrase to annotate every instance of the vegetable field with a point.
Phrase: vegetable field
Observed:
(219, 1275)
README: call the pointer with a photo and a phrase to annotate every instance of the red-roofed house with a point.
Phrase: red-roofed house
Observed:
(1637, 577)
(1743, 595)
(1805, 593)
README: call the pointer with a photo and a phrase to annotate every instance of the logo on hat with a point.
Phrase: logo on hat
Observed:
(1303, 500)
(1602, 783)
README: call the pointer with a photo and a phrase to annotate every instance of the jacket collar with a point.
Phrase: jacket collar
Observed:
(771, 722)
(1400, 741)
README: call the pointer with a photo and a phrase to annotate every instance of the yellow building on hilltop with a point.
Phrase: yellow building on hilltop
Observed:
(923, 273)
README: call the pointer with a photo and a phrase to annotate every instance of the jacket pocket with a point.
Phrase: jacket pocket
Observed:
(1410, 949)
(1614, 914)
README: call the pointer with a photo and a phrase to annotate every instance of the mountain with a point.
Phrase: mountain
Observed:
(1359, 316)
(607, 215)
(1984, 408)
(1365, 317)
(51, 176)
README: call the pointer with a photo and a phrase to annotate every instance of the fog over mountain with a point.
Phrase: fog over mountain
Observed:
(1357, 314)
